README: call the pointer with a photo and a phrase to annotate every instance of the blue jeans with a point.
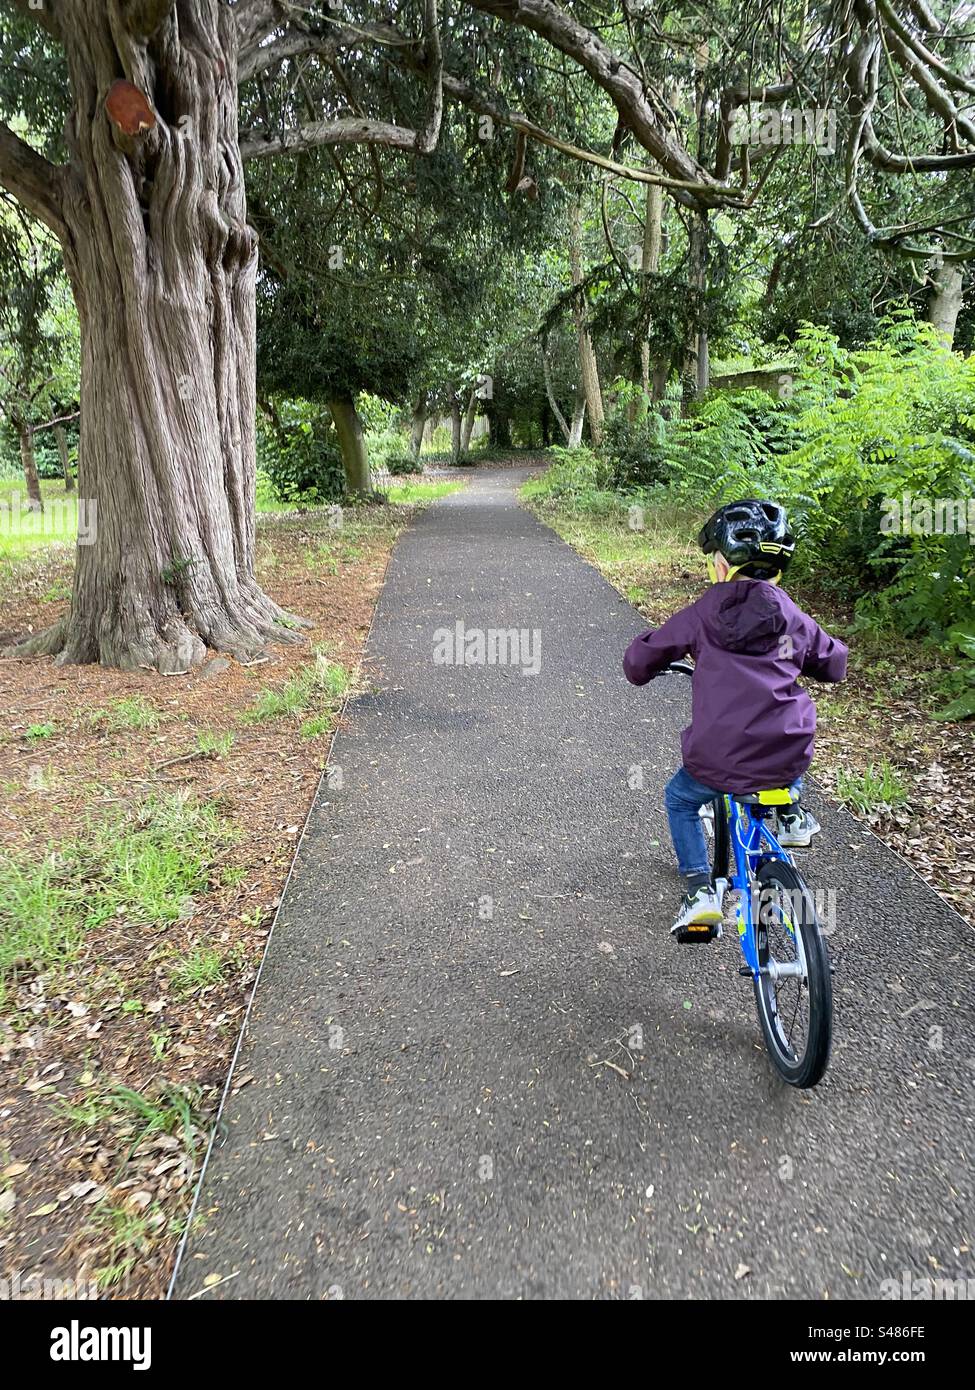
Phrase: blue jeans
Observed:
(683, 797)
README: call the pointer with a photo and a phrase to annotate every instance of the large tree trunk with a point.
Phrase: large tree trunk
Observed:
(501, 430)
(556, 411)
(34, 499)
(649, 265)
(696, 375)
(163, 265)
(946, 300)
(352, 442)
(455, 428)
(578, 420)
(417, 427)
(467, 425)
(588, 368)
(61, 436)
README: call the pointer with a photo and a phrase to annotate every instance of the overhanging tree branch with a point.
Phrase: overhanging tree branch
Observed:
(31, 178)
(683, 190)
(862, 76)
(622, 83)
(360, 130)
(406, 52)
(349, 130)
(921, 52)
(258, 18)
(296, 44)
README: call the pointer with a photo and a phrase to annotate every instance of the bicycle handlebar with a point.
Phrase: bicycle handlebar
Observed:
(683, 668)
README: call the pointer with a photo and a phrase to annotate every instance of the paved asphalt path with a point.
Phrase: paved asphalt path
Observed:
(478, 924)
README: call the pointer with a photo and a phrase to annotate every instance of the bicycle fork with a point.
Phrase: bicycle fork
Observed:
(746, 836)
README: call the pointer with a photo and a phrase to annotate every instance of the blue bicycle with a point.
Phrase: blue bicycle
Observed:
(778, 930)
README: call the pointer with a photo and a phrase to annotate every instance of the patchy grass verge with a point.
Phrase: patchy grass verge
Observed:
(146, 829)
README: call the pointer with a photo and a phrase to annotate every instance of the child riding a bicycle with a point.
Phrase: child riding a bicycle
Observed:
(752, 725)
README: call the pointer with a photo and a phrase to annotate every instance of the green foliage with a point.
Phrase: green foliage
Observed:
(409, 494)
(635, 450)
(196, 971)
(879, 788)
(577, 479)
(39, 341)
(298, 454)
(855, 433)
(401, 464)
(211, 744)
(727, 447)
(178, 567)
(962, 706)
(132, 712)
(888, 423)
(321, 685)
(807, 272)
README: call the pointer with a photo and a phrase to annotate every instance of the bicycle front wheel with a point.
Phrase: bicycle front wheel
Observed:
(794, 992)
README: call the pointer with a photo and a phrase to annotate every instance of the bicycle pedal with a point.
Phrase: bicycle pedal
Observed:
(697, 932)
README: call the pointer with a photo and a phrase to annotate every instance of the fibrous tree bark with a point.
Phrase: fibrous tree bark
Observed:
(150, 212)
(162, 263)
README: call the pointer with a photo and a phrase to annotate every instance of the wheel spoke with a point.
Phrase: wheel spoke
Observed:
(784, 949)
(793, 991)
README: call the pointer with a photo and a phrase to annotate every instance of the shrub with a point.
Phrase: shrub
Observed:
(855, 432)
(874, 426)
(635, 450)
(401, 464)
(577, 477)
(300, 456)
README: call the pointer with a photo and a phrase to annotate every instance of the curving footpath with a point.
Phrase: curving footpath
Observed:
(481, 1068)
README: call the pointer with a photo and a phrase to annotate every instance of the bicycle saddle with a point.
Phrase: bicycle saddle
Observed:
(777, 796)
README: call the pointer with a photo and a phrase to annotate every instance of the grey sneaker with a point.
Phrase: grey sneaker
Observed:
(700, 916)
(797, 826)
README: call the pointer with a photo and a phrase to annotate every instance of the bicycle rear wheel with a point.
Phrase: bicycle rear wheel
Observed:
(794, 993)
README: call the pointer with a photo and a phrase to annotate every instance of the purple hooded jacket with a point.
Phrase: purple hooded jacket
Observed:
(752, 726)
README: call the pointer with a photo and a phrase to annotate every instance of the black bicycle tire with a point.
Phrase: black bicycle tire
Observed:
(810, 1068)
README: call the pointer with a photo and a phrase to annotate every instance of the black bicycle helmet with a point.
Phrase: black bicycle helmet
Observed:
(753, 536)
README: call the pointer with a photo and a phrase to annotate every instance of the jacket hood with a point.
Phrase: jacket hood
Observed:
(746, 615)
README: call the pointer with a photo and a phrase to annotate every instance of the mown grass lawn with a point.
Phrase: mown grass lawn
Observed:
(22, 530)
